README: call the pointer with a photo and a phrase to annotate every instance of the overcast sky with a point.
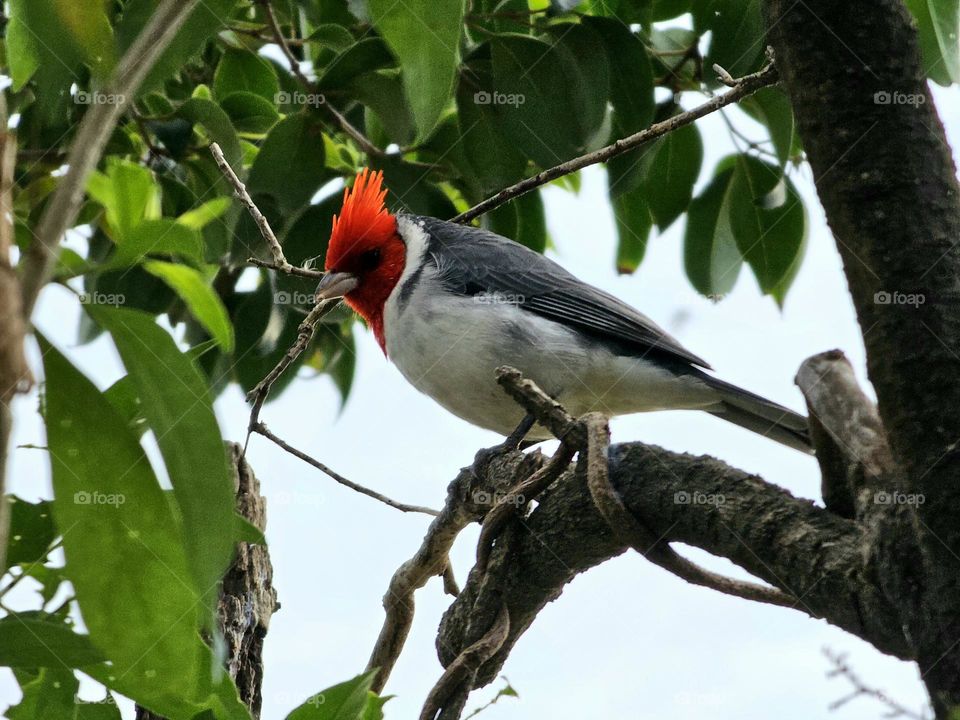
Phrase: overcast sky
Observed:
(625, 639)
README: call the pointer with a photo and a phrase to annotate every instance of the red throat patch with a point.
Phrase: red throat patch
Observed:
(364, 241)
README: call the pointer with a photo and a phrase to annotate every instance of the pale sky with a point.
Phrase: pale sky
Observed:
(625, 640)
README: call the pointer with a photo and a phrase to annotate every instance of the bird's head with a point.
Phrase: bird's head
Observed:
(366, 255)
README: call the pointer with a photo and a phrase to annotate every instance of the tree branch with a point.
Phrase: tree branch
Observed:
(744, 87)
(852, 450)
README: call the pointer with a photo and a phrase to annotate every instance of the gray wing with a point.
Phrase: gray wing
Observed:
(473, 261)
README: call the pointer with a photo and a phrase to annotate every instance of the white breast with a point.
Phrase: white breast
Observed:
(449, 346)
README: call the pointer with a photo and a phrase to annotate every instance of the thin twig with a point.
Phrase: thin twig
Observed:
(91, 138)
(744, 87)
(305, 333)
(288, 268)
(261, 429)
(258, 217)
(362, 140)
(842, 669)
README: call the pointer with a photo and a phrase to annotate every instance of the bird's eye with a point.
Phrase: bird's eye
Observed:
(370, 259)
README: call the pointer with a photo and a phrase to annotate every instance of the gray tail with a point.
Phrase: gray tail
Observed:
(750, 411)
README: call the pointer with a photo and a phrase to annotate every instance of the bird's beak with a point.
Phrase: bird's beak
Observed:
(335, 285)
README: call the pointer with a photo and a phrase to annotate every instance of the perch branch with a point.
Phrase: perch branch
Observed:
(467, 500)
(744, 87)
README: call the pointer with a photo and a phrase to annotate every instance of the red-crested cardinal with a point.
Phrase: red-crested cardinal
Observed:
(449, 304)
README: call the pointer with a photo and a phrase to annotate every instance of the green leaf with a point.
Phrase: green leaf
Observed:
(552, 101)
(245, 71)
(216, 122)
(250, 113)
(128, 193)
(632, 214)
(771, 107)
(768, 223)
(673, 171)
(157, 237)
(364, 56)
(737, 33)
(382, 92)
(290, 164)
(203, 23)
(425, 38)
(246, 531)
(710, 255)
(50, 696)
(494, 159)
(61, 34)
(204, 304)
(203, 214)
(28, 642)
(136, 599)
(631, 94)
(346, 701)
(177, 405)
(937, 22)
(521, 220)
(31, 531)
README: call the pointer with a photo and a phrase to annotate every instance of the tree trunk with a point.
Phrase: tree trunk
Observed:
(887, 181)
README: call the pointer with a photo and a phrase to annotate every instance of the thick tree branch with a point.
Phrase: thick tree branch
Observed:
(744, 87)
(855, 461)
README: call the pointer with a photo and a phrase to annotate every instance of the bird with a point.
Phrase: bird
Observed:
(450, 303)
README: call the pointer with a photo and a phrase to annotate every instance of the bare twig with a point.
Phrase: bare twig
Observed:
(362, 140)
(287, 268)
(744, 87)
(280, 261)
(861, 689)
(305, 334)
(95, 129)
(261, 429)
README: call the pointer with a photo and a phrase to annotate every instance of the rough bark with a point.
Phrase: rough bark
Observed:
(786, 541)
(247, 597)
(885, 176)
